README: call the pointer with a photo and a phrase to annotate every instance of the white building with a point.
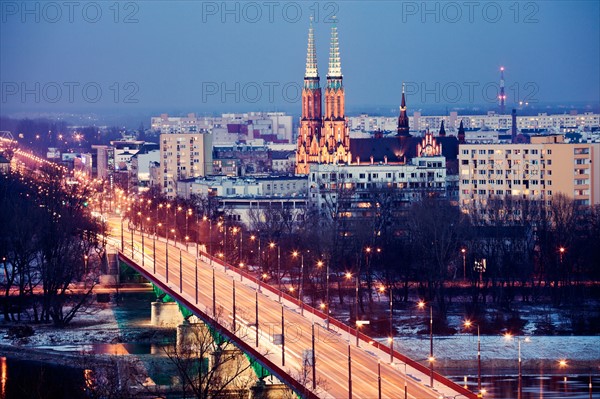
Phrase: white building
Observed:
(183, 156)
(354, 184)
(230, 187)
(560, 123)
(230, 128)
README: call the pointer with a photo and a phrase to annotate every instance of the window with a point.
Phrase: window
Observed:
(579, 151)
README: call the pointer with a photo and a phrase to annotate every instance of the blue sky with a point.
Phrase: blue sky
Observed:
(193, 56)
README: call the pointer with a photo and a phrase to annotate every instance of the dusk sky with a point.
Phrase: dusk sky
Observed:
(178, 56)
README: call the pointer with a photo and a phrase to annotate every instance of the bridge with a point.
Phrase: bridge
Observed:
(277, 330)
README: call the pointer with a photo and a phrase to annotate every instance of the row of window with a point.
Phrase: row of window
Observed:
(505, 192)
(509, 163)
(505, 152)
(509, 182)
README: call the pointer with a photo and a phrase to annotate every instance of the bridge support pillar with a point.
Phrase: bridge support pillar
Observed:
(165, 314)
(269, 391)
(190, 335)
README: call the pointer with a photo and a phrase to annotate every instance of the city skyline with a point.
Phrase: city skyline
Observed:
(209, 58)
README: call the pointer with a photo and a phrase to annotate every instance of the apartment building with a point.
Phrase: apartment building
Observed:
(537, 171)
(183, 156)
(349, 189)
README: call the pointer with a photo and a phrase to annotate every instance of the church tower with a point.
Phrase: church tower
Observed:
(335, 140)
(403, 128)
(311, 119)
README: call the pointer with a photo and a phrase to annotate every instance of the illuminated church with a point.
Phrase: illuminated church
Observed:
(324, 138)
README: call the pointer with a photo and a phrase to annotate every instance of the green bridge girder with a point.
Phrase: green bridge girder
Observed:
(260, 371)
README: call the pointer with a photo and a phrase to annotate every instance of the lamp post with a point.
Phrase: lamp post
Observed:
(562, 364)
(272, 245)
(205, 218)
(188, 213)
(349, 277)
(168, 206)
(508, 336)
(295, 255)
(325, 306)
(256, 237)
(421, 305)
(391, 338)
(468, 324)
(463, 251)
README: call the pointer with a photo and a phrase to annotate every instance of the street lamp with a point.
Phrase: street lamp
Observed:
(349, 277)
(295, 255)
(272, 245)
(508, 336)
(325, 306)
(391, 338)
(562, 364)
(253, 238)
(468, 324)
(431, 359)
(188, 213)
(561, 251)
(463, 251)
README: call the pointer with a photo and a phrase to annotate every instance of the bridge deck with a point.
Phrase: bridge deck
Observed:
(189, 279)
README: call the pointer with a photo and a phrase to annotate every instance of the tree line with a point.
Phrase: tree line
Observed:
(503, 253)
(50, 246)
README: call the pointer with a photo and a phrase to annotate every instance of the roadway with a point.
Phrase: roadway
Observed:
(331, 347)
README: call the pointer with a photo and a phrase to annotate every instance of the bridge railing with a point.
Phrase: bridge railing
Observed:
(240, 343)
(343, 327)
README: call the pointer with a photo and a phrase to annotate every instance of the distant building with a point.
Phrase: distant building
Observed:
(275, 127)
(557, 123)
(224, 186)
(350, 190)
(140, 167)
(183, 156)
(243, 199)
(536, 171)
(4, 165)
(283, 162)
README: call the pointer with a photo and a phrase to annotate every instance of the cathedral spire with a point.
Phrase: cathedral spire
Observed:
(311, 54)
(335, 64)
(442, 132)
(403, 128)
(403, 103)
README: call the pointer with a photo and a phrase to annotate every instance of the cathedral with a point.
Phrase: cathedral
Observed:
(324, 138)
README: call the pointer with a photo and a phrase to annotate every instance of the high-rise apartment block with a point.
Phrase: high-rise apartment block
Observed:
(183, 156)
(536, 171)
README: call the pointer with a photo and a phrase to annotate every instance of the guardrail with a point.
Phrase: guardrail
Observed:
(343, 327)
(340, 326)
(300, 389)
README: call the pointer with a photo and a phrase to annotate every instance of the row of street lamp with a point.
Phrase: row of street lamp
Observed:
(325, 306)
